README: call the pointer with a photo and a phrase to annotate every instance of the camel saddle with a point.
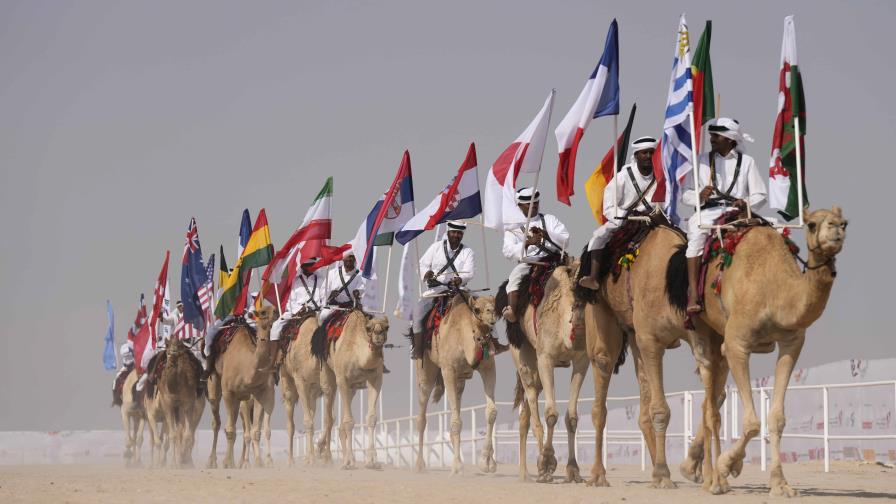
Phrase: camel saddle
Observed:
(531, 291)
(328, 333)
(433, 319)
(225, 336)
(118, 388)
(290, 331)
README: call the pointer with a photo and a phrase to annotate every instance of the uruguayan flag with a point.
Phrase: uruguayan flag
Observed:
(677, 126)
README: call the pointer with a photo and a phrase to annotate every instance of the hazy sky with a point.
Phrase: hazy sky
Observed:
(121, 120)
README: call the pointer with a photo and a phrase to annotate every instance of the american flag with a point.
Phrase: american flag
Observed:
(185, 331)
(205, 292)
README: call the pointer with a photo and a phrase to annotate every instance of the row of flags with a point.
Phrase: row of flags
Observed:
(689, 105)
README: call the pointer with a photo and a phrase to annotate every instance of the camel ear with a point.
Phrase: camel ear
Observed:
(836, 210)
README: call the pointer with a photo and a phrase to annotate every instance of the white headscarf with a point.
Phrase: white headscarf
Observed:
(730, 128)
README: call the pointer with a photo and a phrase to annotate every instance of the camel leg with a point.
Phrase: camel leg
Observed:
(128, 436)
(214, 402)
(309, 409)
(659, 412)
(453, 392)
(246, 421)
(788, 352)
(720, 376)
(547, 461)
(488, 464)
(192, 423)
(288, 396)
(374, 386)
(138, 420)
(232, 405)
(426, 381)
(644, 422)
(266, 404)
(328, 388)
(732, 461)
(601, 378)
(579, 369)
(257, 419)
(170, 423)
(346, 423)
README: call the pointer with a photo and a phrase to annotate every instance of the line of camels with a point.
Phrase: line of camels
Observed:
(767, 301)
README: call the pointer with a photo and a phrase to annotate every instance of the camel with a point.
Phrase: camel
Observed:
(159, 437)
(766, 300)
(461, 347)
(133, 416)
(356, 359)
(634, 308)
(557, 340)
(179, 401)
(243, 372)
(302, 378)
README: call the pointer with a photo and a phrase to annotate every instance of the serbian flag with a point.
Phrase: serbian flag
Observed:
(701, 74)
(389, 215)
(312, 233)
(783, 182)
(146, 336)
(522, 156)
(600, 97)
(604, 173)
(460, 200)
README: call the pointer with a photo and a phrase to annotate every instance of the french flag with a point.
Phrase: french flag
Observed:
(522, 156)
(460, 200)
(600, 97)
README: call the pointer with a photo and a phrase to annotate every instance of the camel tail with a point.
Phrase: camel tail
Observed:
(439, 390)
(622, 353)
(518, 393)
(677, 280)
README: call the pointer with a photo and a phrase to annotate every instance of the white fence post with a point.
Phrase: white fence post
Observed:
(827, 442)
(763, 428)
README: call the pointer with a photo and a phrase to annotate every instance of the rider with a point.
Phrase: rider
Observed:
(346, 287)
(306, 295)
(634, 190)
(729, 179)
(546, 240)
(446, 263)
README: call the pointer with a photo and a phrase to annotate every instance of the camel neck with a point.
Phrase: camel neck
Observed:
(808, 293)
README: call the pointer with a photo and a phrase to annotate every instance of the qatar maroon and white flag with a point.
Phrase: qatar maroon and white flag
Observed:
(146, 336)
(522, 156)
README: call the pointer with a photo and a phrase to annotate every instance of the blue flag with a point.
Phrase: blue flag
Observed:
(192, 279)
(109, 350)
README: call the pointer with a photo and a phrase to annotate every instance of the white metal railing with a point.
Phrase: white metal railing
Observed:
(397, 442)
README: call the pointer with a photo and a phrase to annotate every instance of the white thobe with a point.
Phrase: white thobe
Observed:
(306, 291)
(626, 196)
(515, 240)
(335, 282)
(436, 261)
(748, 186)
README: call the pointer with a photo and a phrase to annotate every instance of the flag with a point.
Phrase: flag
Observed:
(701, 74)
(258, 252)
(389, 214)
(139, 319)
(146, 336)
(245, 231)
(205, 292)
(407, 278)
(599, 97)
(109, 348)
(459, 200)
(193, 278)
(313, 233)
(522, 156)
(604, 173)
(166, 311)
(791, 104)
(223, 271)
(676, 143)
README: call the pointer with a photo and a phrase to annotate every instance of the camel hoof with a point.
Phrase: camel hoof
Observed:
(573, 475)
(269, 462)
(730, 464)
(663, 484)
(688, 470)
(547, 462)
(544, 478)
(457, 471)
(598, 481)
(782, 490)
(376, 466)
(489, 465)
(349, 466)
(228, 465)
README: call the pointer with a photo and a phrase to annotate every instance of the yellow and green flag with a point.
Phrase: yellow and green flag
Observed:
(235, 285)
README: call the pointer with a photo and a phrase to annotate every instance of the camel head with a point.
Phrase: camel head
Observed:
(264, 318)
(826, 231)
(175, 348)
(377, 328)
(483, 309)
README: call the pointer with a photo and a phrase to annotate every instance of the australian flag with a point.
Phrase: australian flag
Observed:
(193, 277)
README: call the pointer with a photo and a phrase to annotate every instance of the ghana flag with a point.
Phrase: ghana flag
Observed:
(258, 252)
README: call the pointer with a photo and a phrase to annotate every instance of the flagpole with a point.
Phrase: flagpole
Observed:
(488, 281)
(535, 185)
(799, 165)
(615, 165)
(417, 269)
(277, 293)
(386, 280)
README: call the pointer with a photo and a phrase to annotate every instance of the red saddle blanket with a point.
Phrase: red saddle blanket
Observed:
(225, 336)
(433, 319)
(335, 324)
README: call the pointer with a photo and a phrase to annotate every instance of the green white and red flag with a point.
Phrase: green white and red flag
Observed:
(782, 171)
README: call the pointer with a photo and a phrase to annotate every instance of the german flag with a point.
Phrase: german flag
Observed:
(603, 174)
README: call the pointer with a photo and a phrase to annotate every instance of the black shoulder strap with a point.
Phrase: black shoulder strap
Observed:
(640, 196)
(547, 238)
(310, 291)
(449, 258)
(712, 172)
(344, 287)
